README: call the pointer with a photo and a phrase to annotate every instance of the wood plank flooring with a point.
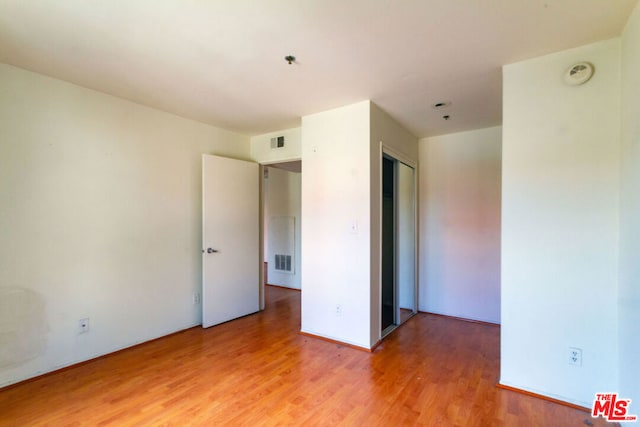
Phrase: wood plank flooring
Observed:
(258, 371)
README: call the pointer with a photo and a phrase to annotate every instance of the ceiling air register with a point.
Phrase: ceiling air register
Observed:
(578, 74)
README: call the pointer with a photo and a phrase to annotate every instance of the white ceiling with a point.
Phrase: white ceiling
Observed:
(222, 61)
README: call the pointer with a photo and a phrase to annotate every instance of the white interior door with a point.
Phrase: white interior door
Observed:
(230, 239)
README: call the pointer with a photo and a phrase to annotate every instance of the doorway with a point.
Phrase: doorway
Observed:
(398, 240)
(281, 211)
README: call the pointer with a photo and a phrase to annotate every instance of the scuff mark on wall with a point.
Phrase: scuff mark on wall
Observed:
(23, 326)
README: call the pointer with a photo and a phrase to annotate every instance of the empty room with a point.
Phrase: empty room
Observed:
(319, 212)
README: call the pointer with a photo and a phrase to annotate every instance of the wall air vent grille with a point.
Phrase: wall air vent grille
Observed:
(277, 142)
(283, 262)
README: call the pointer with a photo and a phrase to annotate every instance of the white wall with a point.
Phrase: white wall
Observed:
(560, 210)
(341, 193)
(460, 186)
(282, 200)
(100, 217)
(261, 151)
(629, 294)
(335, 195)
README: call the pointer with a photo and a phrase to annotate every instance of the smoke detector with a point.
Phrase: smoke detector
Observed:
(578, 74)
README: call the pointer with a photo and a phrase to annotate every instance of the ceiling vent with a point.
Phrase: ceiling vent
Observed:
(277, 142)
(578, 73)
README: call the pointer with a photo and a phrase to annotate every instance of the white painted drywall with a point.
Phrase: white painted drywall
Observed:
(341, 192)
(560, 220)
(386, 133)
(629, 293)
(460, 186)
(282, 200)
(261, 151)
(100, 217)
(335, 196)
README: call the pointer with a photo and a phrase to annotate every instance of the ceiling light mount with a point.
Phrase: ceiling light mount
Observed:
(441, 104)
(290, 59)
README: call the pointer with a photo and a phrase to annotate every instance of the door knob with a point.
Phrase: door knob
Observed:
(211, 250)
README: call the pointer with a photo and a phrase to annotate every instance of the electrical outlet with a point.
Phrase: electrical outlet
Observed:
(338, 310)
(575, 356)
(83, 326)
(196, 298)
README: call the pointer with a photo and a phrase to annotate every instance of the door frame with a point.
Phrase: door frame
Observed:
(385, 150)
(263, 165)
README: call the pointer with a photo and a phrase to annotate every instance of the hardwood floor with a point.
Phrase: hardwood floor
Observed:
(258, 370)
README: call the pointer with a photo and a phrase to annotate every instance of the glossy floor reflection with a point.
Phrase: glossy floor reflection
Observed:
(258, 370)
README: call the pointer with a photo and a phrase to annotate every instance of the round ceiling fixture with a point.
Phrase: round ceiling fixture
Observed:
(578, 73)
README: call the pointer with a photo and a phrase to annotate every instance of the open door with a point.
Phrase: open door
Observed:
(230, 239)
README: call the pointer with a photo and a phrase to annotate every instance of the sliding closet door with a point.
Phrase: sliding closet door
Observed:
(405, 242)
(399, 243)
